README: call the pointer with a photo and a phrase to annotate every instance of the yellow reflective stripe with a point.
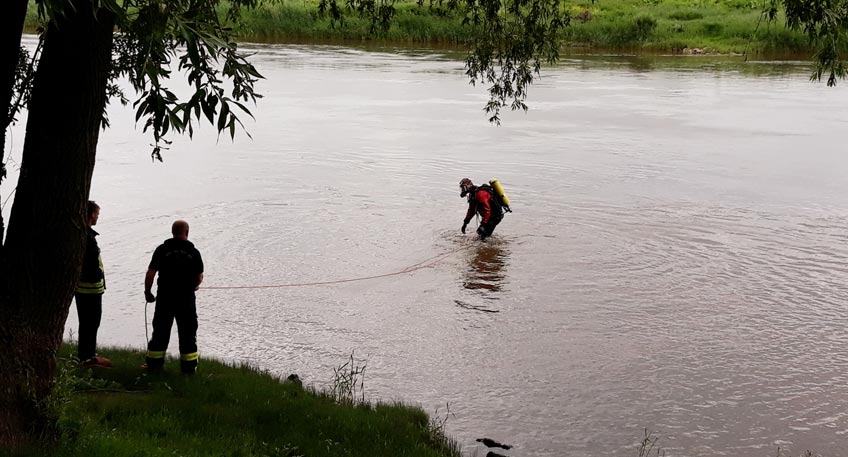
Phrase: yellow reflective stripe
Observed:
(189, 357)
(98, 287)
(91, 287)
(156, 354)
(102, 271)
(91, 292)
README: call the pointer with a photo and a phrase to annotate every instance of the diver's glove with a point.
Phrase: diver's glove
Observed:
(464, 225)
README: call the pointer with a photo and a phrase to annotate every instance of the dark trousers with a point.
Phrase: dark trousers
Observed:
(184, 312)
(489, 228)
(89, 310)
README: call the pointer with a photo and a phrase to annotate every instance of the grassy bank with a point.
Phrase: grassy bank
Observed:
(710, 26)
(723, 26)
(226, 410)
(299, 20)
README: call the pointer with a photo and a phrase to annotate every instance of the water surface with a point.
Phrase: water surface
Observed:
(676, 259)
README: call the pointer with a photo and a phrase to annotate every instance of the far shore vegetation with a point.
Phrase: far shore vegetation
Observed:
(228, 410)
(673, 26)
(627, 26)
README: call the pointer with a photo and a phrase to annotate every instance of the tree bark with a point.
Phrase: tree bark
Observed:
(45, 240)
(11, 28)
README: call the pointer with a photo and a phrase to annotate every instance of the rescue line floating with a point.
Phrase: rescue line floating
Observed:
(500, 191)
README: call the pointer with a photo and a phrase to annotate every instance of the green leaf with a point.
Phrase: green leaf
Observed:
(222, 116)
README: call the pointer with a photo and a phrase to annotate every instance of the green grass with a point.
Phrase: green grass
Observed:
(714, 26)
(293, 20)
(720, 26)
(226, 410)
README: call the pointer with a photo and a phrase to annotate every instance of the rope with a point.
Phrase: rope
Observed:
(146, 338)
(418, 266)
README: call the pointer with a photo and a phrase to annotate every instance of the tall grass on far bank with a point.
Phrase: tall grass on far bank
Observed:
(633, 26)
(712, 26)
(722, 26)
(226, 410)
(300, 20)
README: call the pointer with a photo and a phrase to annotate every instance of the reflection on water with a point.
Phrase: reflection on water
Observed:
(790, 66)
(482, 309)
(485, 272)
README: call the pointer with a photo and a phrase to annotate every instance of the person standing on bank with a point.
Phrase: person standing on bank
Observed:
(89, 294)
(180, 269)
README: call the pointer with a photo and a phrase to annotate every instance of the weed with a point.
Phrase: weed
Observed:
(349, 382)
(713, 29)
(648, 446)
(686, 15)
(643, 27)
(436, 432)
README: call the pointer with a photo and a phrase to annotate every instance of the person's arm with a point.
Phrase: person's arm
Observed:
(148, 285)
(469, 214)
(199, 269)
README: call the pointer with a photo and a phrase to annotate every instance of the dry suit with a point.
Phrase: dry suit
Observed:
(483, 201)
(179, 265)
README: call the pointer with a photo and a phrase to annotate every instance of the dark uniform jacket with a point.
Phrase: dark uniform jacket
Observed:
(92, 280)
(179, 265)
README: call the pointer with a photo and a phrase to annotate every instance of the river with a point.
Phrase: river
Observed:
(676, 259)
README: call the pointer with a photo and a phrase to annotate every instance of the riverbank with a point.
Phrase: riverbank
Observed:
(673, 26)
(228, 410)
(632, 26)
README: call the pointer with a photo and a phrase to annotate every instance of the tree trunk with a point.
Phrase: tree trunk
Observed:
(11, 27)
(45, 240)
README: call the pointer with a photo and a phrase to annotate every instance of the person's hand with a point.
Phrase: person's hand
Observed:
(464, 225)
(481, 230)
(149, 297)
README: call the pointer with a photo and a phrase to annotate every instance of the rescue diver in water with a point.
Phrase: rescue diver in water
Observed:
(485, 201)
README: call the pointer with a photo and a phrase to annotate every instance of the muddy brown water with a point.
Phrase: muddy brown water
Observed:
(676, 259)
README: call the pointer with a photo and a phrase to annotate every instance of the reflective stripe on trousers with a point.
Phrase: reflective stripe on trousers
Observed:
(189, 357)
(182, 310)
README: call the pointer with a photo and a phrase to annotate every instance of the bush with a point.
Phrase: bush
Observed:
(713, 28)
(686, 15)
(743, 4)
(643, 27)
(677, 46)
(584, 16)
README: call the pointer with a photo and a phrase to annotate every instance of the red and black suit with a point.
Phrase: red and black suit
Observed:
(481, 200)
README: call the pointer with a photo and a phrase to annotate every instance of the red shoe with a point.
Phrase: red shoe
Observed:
(97, 362)
(151, 370)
